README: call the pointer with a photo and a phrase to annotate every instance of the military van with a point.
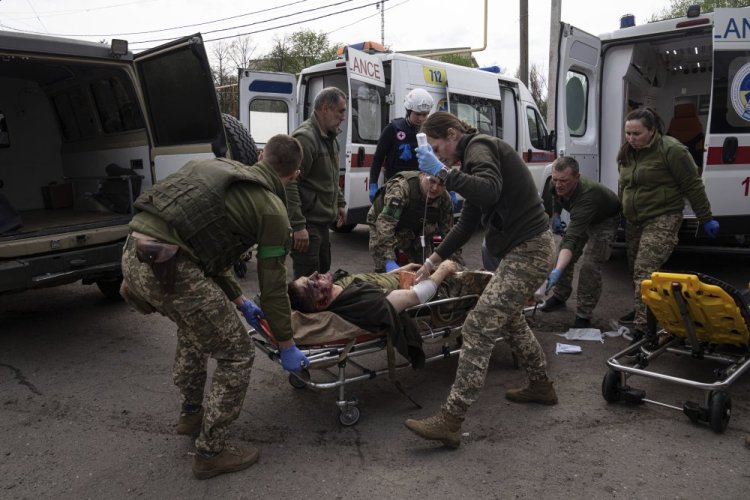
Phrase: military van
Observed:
(84, 128)
(695, 72)
(376, 83)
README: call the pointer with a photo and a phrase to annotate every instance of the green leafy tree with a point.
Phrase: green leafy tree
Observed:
(678, 8)
(293, 53)
(537, 87)
(458, 59)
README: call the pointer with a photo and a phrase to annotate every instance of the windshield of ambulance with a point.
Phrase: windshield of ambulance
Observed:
(368, 116)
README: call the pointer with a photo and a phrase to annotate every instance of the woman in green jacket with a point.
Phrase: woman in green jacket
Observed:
(657, 173)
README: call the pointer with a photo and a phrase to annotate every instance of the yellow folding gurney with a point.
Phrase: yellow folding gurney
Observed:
(700, 318)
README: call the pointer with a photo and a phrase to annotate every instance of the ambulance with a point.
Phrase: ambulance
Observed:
(695, 72)
(376, 83)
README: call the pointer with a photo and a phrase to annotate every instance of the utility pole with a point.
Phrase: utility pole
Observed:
(554, 48)
(523, 69)
(382, 23)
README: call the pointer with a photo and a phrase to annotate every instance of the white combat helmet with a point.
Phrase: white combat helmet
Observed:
(418, 100)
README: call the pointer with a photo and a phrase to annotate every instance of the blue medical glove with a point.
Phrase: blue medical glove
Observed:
(390, 265)
(711, 228)
(428, 162)
(552, 279)
(252, 314)
(556, 224)
(293, 360)
(373, 190)
(454, 200)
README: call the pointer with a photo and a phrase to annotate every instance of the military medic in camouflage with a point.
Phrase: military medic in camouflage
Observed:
(192, 226)
(407, 213)
(499, 194)
(594, 214)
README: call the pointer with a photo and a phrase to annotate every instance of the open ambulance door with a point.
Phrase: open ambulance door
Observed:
(267, 104)
(726, 173)
(184, 121)
(577, 98)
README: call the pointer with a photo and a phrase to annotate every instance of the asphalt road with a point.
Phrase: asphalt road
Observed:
(87, 409)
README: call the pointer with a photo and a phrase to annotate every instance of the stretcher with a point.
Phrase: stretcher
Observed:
(700, 319)
(341, 353)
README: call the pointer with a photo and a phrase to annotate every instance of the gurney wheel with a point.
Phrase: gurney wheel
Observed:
(349, 416)
(611, 386)
(294, 379)
(719, 411)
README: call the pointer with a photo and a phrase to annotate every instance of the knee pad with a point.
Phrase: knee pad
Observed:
(425, 290)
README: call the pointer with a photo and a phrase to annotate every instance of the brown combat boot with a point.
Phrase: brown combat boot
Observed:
(230, 459)
(442, 427)
(189, 423)
(538, 391)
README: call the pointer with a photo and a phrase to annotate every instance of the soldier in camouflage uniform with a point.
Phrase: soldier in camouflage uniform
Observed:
(499, 194)
(657, 173)
(594, 215)
(407, 213)
(192, 226)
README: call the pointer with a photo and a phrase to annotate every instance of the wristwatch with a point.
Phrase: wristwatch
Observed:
(443, 174)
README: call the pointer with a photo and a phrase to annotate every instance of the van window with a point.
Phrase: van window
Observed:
(576, 102)
(268, 117)
(537, 131)
(731, 108)
(117, 109)
(75, 113)
(367, 112)
(481, 113)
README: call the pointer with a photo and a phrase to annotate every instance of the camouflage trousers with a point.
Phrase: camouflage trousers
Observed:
(649, 245)
(499, 313)
(208, 325)
(591, 257)
(409, 243)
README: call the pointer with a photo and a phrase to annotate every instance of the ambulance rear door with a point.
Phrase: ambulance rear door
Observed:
(577, 108)
(726, 173)
(267, 104)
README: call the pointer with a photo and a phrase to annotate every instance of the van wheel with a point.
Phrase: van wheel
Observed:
(547, 198)
(241, 143)
(110, 288)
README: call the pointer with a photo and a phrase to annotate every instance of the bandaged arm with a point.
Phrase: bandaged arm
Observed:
(421, 292)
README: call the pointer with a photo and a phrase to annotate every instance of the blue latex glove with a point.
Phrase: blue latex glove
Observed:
(428, 162)
(390, 265)
(252, 314)
(552, 279)
(454, 200)
(373, 190)
(711, 228)
(556, 224)
(293, 360)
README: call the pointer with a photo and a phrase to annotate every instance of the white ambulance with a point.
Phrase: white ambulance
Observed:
(695, 72)
(376, 83)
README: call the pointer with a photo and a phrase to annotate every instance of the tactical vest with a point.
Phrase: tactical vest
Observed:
(414, 215)
(394, 163)
(192, 201)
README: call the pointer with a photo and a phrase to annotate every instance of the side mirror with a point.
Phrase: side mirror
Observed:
(550, 141)
(729, 150)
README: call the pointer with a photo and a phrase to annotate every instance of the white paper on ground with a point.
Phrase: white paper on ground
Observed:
(567, 349)
(583, 334)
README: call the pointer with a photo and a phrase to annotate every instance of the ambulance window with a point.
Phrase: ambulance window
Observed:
(730, 113)
(576, 102)
(481, 113)
(537, 131)
(268, 117)
(367, 112)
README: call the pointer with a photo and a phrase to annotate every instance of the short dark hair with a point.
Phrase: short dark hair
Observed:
(284, 153)
(329, 96)
(564, 162)
(301, 298)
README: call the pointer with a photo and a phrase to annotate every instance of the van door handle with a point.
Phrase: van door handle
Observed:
(361, 156)
(729, 150)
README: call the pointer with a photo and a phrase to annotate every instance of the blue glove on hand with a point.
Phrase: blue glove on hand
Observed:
(390, 265)
(552, 279)
(252, 314)
(373, 190)
(428, 162)
(556, 224)
(711, 228)
(293, 360)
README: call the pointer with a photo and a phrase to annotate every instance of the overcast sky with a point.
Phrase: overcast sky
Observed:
(408, 24)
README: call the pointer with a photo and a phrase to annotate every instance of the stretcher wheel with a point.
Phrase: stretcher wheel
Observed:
(719, 411)
(299, 380)
(349, 416)
(611, 386)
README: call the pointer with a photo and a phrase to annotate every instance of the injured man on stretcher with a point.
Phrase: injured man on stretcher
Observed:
(374, 302)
